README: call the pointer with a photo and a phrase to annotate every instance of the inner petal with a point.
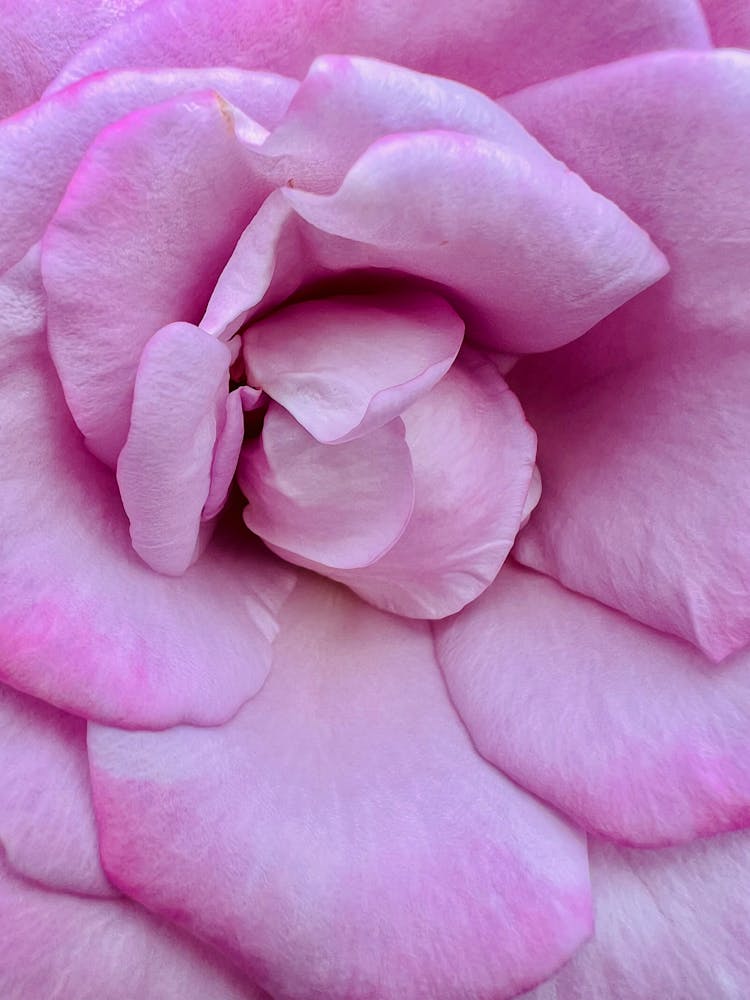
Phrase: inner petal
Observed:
(346, 365)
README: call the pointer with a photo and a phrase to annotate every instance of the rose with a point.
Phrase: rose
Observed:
(335, 834)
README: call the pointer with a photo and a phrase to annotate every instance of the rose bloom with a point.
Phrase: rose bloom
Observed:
(375, 499)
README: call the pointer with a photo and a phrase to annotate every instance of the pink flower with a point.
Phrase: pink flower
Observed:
(449, 306)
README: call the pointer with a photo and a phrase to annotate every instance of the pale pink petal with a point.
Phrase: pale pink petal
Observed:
(729, 21)
(228, 444)
(632, 733)
(532, 256)
(84, 623)
(345, 365)
(72, 948)
(670, 924)
(37, 38)
(643, 425)
(47, 828)
(340, 837)
(164, 468)
(496, 45)
(55, 133)
(146, 225)
(338, 505)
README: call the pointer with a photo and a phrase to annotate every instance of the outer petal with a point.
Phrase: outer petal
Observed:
(55, 133)
(631, 732)
(38, 38)
(83, 623)
(643, 425)
(496, 45)
(669, 923)
(340, 838)
(47, 825)
(143, 232)
(164, 469)
(55, 945)
(473, 456)
(336, 505)
(346, 365)
(533, 255)
(729, 21)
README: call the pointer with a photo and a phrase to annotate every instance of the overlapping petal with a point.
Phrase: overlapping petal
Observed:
(643, 424)
(340, 837)
(729, 21)
(632, 733)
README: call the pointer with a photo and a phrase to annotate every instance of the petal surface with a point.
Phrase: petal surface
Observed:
(632, 733)
(336, 505)
(55, 133)
(47, 828)
(56, 945)
(340, 837)
(669, 923)
(473, 458)
(147, 223)
(164, 469)
(643, 425)
(729, 21)
(84, 623)
(495, 45)
(346, 365)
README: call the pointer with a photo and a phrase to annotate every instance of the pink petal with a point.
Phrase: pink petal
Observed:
(632, 733)
(340, 837)
(37, 39)
(496, 45)
(228, 444)
(346, 365)
(47, 828)
(643, 426)
(336, 505)
(669, 923)
(73, 948)
(164, 469)
(145, 227)
(473, 456)
(55, 133)
(532, 255)
(729, 21)
(84, 623)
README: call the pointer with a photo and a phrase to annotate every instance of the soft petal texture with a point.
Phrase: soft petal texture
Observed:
(47, 825)
(729, 21)
(147, 223)
(164, 469)
(346, 365)
(340, 837)
(670, 924)
(73, 948)
(643, 424)
(228, 444)
(55, 133)
(84, 623)
(495, 45)
(631, 732)
(339, 505)
(37, 38)
(473, 457)
(530, 253)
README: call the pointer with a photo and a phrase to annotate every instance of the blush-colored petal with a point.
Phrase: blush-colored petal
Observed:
(473, 456)
(66, 946)
(495, 45)
(532, 256)
(164, 468)
(643, 425)
(145, 227)
(84, 623)
(729, 21)
(339, 505)
(38, 38)
(669, 923)
(345, 365)
(47, 828)
(340, 837)
(55, 133)
(231, 430)
(632, 733)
